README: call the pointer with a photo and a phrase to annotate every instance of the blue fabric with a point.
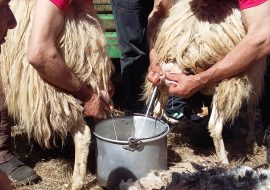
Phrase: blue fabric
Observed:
(131, 23)
(178, 107)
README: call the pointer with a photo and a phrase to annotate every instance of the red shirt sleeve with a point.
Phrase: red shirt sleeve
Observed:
(64, 4)
(245, 4)
(61, 4)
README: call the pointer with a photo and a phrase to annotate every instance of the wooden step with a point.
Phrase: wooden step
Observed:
(104, 12)
(112, 45)
(107, 21)
(103, 8)
(101, 2)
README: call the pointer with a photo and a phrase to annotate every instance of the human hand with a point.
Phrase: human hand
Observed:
(184, 85)
(154, 70)
(96, 107)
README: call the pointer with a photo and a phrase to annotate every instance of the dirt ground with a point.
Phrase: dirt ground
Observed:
(187, 142)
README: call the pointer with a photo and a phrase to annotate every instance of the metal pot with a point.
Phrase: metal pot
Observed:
(129, 147)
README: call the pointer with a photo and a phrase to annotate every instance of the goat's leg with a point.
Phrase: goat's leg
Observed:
(157, 109)
(82, 139)
(250, 139)
(215, 127)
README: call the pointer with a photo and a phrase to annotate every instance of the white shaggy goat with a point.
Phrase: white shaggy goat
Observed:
(47, 112)
(197, 34)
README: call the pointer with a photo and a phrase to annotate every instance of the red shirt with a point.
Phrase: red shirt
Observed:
(61, 4)
(245, 4)
(64, 4)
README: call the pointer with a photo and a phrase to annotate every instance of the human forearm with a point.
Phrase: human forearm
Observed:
(246, 54)
(159, 11)
(160, 8)
(43, 54)
(241, 58)
(51, 67)
(237, 61)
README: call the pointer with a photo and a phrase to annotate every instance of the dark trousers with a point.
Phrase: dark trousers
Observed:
(265, 109)
(131, 23)
(265, 101)
(5, 130)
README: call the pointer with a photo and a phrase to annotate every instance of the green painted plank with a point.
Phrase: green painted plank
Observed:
(110, 34)
(112, 41)
(111, 38)
(112, 45)
(107, 21)
(113, 51)
(106, 16)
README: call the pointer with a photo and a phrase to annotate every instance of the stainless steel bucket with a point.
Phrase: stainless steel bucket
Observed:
(129, 147)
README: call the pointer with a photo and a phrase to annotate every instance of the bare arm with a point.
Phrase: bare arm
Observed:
(45, 58)
(253, 47)
(43, 54)
(159, 11)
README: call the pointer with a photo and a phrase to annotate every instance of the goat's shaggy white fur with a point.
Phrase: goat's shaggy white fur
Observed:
(47, 112)
(186, 176)
(195, 35)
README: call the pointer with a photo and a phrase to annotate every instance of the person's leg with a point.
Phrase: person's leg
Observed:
(9, 164)
(131, 23)
(5, 131)
(265, 108)
(265, 100)
(5, 183)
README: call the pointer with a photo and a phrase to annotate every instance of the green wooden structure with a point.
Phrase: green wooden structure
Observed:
(104, 12)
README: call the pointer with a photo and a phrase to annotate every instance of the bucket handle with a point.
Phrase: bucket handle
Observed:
(133, 144)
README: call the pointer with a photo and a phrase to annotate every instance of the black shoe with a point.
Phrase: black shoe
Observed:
(18, 171)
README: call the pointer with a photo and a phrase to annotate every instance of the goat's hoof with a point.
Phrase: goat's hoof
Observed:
(71, 186)
(223, 161)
